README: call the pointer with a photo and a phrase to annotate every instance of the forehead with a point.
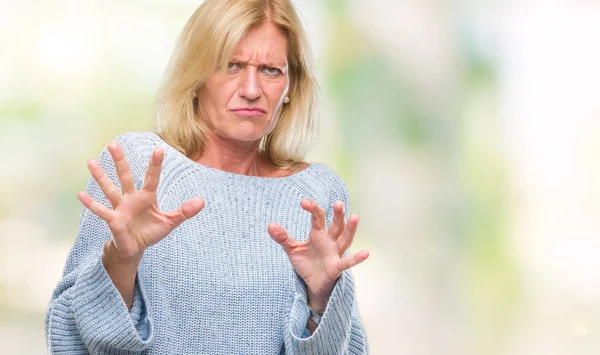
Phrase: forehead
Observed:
(263, 43)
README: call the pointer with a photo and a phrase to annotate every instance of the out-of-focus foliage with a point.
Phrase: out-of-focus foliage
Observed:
(468, 134)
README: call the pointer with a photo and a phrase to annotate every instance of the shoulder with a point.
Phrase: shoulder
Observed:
(137, 141)
(327, 175)
(137, 147)
(329, 181)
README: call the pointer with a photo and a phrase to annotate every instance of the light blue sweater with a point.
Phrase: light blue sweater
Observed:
(218, 284)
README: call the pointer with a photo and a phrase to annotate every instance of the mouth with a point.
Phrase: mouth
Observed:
(249, 111)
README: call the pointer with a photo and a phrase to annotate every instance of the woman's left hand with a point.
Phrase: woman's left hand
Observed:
(319, 261)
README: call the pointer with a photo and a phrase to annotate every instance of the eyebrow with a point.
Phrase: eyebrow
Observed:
(268, 64)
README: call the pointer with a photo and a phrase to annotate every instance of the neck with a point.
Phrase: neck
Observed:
(233, 156)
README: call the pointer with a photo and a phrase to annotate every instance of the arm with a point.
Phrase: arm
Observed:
(122, 271)
(340, 331)
(87, 312)
(91, 305)
(323, 257)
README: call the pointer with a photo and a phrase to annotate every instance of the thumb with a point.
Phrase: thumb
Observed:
(279, 235)
(187, 210)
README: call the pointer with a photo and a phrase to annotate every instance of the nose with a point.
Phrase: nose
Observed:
(249, 85)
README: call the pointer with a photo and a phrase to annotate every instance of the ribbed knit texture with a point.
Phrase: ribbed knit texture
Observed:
(218, 284)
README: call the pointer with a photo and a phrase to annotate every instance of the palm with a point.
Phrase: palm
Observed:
(319, 261)
(135, 221)
(138, 219)
(316, 260)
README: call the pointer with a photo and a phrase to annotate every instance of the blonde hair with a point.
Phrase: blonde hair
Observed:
(206, 43)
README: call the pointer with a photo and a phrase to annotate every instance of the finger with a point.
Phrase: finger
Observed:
(318, 215)
(123, 171)
(153, 172)
(349, 261)
(187, 210)
(345, 240)
(96, 207)
(111, 192)
(279, 235)
(337, 225)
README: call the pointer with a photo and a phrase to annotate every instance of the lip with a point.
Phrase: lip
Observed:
(249, 111)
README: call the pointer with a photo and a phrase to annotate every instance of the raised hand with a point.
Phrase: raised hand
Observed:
(135, 220)
(319, 261)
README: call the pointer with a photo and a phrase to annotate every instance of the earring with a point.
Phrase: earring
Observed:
(286, 100)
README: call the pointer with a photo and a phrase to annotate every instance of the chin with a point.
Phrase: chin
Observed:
(248, 133)
(247, 138)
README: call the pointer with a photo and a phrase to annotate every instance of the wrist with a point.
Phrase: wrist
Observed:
(318, 301)
(111, 255)
(122, 271)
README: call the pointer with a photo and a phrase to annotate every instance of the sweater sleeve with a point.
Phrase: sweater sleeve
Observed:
(341, 330)
(86, 313)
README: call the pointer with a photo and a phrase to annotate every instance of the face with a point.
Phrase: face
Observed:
(244, 101)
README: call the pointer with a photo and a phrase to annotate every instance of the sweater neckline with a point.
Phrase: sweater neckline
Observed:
(228, 174)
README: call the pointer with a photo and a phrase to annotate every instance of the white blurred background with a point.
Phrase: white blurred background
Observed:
(468, 132)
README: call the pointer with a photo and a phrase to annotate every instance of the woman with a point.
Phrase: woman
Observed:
(235, 113)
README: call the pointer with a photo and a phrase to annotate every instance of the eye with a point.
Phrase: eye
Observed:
(233, 67)
(272, 71)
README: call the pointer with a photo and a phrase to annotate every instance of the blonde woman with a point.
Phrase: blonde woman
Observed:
(251, 256)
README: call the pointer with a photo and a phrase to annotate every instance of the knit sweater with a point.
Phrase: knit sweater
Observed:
(218, 283)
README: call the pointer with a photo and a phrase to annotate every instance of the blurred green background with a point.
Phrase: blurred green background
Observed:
(467, 131)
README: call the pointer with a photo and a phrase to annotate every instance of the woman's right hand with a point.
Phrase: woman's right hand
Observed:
(136, 222)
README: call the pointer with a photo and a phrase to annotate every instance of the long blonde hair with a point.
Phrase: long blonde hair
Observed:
(206, 43)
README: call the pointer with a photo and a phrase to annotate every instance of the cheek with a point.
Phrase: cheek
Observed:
(277, 92)
(224, 94)
(219, 93)
(276, 95)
